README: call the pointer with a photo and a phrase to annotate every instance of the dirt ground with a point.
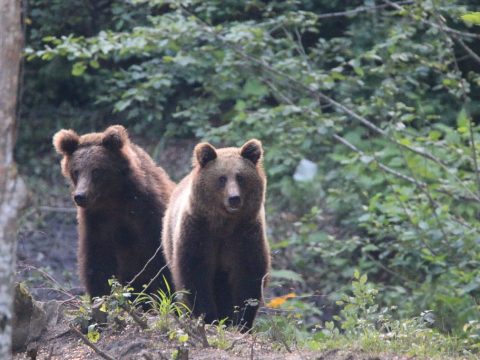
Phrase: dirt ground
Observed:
(131, 342)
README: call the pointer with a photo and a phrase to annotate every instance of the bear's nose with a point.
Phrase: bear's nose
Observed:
(234, 201)
(80, 199)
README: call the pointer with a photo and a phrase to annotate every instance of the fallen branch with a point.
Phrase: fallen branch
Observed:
(90, 344)
(142, 323)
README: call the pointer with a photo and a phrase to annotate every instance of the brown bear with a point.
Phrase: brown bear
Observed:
(214, 233)
(121, 197)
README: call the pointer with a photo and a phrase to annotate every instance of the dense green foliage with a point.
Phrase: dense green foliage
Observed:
(383, 98)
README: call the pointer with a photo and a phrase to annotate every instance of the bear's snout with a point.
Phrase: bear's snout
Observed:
(233, 204)
(80, 199)
(234, 201)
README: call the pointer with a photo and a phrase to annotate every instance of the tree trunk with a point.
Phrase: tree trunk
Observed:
(12, 189)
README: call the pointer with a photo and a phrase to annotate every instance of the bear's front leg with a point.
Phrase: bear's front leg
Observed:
(96, 261)
(247, 294)
(193, 271)
(96, 266)
(248, 273)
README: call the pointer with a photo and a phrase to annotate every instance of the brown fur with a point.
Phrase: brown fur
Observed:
(121, 197)
(214, 233)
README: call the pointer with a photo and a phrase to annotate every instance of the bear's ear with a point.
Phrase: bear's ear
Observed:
(203, 153)
(252, 150)
(114, 137)
(66, 142)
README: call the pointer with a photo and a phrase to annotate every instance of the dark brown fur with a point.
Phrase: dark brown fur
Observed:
(214, 233)
(121, 197)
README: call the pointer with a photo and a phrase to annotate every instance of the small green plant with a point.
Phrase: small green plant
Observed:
(359, 312)
(93, 334)
(164, 305)
(220, 339)
(82, 316)
(282, 331)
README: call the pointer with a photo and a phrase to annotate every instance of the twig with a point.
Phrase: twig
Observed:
(391, 272)
(235, 342)
(202, 337)
(433, 206)
(252, 348)
(202, 334)
(145, 267)
(90, 344)
(142, 323)
(427, 22)
(284, 342)
(153, 279)
(380, 165)
(358, 10)
(50, 353)
(470, 52)
(48, 277)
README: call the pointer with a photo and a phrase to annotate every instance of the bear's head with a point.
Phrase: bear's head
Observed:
(229, 181)
(97, 164)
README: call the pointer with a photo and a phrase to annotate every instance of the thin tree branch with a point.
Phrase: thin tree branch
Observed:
(145, 266)
(87, 342)
(49, 277)
(427, 22)
(421, 185)
(352, 147)
(470, 52)
(359, 10)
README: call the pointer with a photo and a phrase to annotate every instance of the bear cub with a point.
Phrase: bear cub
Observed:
(121, 197)
(214, 233)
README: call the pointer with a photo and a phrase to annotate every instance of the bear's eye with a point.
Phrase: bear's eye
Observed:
(222, 180)
(75, 174)
(240, 179)
(97, 174)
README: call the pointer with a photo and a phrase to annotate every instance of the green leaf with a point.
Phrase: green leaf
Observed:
(363, 279)
(78, 68)
(183, 338)
(94, 64)
(356, 274)
(462, 119)
(93, 335)
(471, 18)
(254, 88)
(122, 105)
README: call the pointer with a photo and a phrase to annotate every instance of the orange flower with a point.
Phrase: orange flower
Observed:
(276, 302)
